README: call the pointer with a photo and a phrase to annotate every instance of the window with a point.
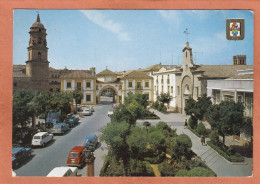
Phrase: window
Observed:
(186, 54)
(15, 84)
(178, 90)
(97, 87)
(162, 90)
(39, 40)
(88, 98)
(168, 89)
(130, 84)
(168, 79)
(51, 90)
(138, 86)
(171, 89)
(197, 91)
(39, 55)
(147, 84)
(88, 84)
(68, 84)
(79, 85)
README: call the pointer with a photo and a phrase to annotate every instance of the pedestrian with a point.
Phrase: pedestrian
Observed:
(202, 138)
(185, 123)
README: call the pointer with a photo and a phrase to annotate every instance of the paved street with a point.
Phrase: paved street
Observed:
(217, 163)
(55, 154)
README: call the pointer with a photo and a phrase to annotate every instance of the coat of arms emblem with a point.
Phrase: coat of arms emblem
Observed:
(235, 29)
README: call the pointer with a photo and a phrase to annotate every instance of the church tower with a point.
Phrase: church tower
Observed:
(37, 65)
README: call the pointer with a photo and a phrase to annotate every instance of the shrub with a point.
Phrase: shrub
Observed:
(214, 137)
(138, 168)
(182, 146)
(224, 152)
(155, 105)
(167, 168)
(160, 107)
(182, 173)
(201, 129)
(201, 172)
(193, 121)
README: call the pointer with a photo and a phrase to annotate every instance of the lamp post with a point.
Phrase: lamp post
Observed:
(90, 159)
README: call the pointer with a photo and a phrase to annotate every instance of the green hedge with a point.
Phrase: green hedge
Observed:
(232, 158)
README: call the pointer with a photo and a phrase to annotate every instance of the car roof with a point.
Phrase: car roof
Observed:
(91, 137)
(40, 133)
(16, 150)
(60, 124)
(77, 149)
(58, 171)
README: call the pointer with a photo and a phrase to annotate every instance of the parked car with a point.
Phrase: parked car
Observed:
(76, 157)
(63, 171)
(115, 106)
(92, 109)
(71, 120)
(20, 154)
(59, 128)
(41, 139)
(86, 112)
(110, 112)
(91, 142)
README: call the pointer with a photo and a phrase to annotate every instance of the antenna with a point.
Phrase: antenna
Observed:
(187, 34)
(195, 53)
(160, 52)
(172, 57)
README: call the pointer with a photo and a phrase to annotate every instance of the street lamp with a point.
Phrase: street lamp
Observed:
(90, 158)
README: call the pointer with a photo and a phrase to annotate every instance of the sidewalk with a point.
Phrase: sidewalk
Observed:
(217, 163)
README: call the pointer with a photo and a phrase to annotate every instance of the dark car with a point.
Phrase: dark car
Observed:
(71, 121)
(19, 155)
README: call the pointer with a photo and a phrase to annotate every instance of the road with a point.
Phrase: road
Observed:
(56, 152)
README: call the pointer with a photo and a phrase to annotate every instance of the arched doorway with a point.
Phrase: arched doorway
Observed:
(108, 94)
(186, 91)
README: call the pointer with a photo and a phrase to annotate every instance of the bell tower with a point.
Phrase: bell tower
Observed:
(37, 64)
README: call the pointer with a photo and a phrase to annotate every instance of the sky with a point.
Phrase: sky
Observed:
(131, 39)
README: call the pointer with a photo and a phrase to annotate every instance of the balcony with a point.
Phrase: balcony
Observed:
(139, 87)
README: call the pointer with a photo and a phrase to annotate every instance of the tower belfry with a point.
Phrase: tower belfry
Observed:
(37, 64)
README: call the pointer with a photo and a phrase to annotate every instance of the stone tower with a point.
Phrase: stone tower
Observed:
(239, 60)
(187, 56)
(37, 65)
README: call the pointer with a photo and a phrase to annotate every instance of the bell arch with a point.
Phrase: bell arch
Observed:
(108, 87)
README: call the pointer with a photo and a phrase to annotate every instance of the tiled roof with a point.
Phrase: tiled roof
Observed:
(18, 74)
(106, 72)
(19, 67)
(245, 76)
(136, 75)
(221, 71)
(77, 74)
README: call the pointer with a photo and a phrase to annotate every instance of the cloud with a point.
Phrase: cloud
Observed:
(100, 19)
(171, 15)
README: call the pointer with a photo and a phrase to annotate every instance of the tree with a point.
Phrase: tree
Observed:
(201, 129)
(136, 109)
(141, 99)
(63, 100)
(44, 103)
(22, 107)
(77, 95)
(226, 117)
(201, 106)
(182, 146)
(115, 135)
(123, 115)
(164, 98)
(137, 142)
(190, 107)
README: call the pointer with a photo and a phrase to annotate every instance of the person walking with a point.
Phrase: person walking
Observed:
(185, 124)
(202, 138)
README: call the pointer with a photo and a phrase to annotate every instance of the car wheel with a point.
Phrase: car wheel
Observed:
(43, 145)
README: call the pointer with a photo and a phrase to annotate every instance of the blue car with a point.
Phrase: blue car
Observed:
(91, 142)
(20, 154)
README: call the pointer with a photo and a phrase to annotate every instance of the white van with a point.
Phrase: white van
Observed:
(63, 171)
(41, 139)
